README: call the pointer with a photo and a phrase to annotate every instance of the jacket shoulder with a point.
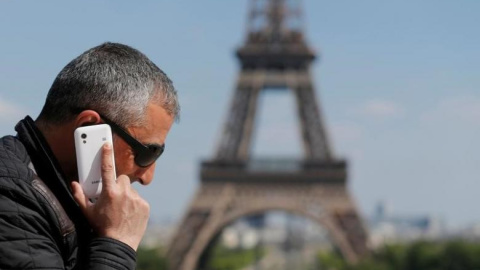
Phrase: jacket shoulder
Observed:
(14, 159)
(35, 223)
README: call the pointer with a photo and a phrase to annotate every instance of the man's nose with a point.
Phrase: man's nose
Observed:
(145, 175)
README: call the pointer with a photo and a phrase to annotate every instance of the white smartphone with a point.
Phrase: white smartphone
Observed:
(89, 141)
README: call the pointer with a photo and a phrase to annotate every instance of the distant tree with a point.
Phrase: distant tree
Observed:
(422, 255)
(151, 259)
(461, 255)
(392, 255)
(223, 258)
(331, 261)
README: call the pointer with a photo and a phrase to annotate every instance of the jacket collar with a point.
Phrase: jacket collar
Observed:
(46, 165)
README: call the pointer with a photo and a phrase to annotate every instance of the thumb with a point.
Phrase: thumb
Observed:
(79, 196)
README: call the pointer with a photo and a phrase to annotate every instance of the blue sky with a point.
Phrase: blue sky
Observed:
(398, 83)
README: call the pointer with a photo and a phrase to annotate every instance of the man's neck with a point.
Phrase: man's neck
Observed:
(60, 141)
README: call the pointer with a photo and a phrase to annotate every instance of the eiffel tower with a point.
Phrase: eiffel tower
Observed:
(275, 55)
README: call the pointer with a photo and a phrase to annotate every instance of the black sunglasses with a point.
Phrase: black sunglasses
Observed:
(145, 155)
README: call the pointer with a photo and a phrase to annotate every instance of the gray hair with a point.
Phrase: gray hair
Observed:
(113, 79)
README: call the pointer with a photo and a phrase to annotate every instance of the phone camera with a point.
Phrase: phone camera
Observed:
(84, 136)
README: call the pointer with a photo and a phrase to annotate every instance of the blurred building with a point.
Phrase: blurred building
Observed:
(276, 229)
(469, 232)
(387, 227)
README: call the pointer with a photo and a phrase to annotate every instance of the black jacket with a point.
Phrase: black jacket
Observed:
(41, 225)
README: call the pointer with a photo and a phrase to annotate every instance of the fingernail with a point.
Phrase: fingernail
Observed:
(107, 145)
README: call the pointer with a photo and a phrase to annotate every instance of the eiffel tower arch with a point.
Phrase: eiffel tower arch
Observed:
(275, 55)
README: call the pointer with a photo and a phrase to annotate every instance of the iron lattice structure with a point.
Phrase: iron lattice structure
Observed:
(275, 55)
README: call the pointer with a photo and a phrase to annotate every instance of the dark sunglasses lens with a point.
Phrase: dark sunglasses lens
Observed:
(146, 158)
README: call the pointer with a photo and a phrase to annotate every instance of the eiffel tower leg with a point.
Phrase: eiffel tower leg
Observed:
(342, 220)
(350, 223)
(197, 228)
(185, 235)
(313, 133)
(236, 138)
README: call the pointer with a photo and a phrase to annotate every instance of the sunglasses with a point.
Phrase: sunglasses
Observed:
(145, 155)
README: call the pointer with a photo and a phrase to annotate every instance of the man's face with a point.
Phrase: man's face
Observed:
(158, 124)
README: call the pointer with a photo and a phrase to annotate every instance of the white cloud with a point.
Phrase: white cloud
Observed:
(380, 109)
(460, 110)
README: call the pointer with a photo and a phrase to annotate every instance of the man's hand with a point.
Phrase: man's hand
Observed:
(119, 212)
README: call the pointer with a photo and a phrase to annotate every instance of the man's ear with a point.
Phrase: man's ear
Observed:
(87, 118)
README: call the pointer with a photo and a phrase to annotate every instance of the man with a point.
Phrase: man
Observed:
(45, 220)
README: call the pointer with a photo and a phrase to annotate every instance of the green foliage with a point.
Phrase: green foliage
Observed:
(461, 255)
(392, 256)
(220, 258)
(227, 259)
(151, 259)
(424, 255)
(421, 255)
(331, 261)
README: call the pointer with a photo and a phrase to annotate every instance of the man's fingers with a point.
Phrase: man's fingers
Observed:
(123, 182)
(79, 196)
(108, 171)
